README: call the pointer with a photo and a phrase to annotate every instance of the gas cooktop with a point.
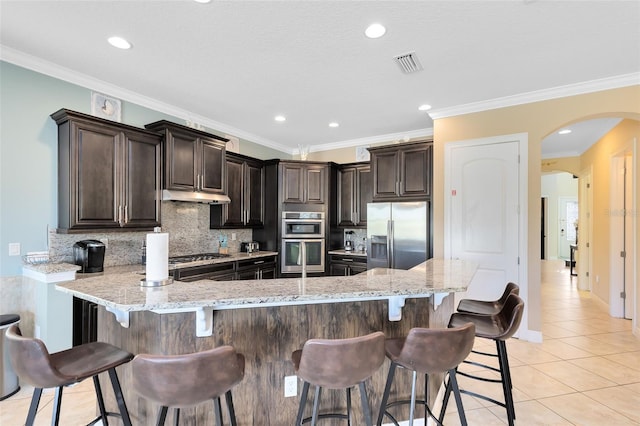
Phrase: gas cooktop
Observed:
(191, 258)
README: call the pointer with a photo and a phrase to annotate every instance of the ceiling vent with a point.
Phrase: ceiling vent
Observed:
(408, 63)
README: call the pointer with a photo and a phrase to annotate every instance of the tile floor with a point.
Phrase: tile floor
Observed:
(586, 372)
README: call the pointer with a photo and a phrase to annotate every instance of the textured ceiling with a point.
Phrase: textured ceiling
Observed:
(234, 65)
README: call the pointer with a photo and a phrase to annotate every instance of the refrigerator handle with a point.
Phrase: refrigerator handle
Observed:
(390, 261)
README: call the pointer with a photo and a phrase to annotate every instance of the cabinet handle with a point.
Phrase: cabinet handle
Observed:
(257, 262)
(347, 260)
(120, 214)
(126, 214)
(200, 185)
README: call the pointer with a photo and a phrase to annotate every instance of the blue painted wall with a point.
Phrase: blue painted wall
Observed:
(29, 154)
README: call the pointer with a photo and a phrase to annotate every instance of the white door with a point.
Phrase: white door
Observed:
(484, 216)
(567, 220)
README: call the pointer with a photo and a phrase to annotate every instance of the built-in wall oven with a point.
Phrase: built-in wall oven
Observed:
(302, 242)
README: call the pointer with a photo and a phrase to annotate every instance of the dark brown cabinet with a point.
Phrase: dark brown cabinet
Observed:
(193, 160)
(303, 183)
(402, 171)
(245, 189)
(108, 174)
(263, 268)
(355, 190)
(346, 265)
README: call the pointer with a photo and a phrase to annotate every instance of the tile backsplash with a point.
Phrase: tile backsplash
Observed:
(358, 237)
(186, 223)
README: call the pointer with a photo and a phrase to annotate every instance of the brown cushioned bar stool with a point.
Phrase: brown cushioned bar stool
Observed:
(498, 327)
(427, 351)
(186, 380)
(337, 364)
(488, 307)
(35, 366)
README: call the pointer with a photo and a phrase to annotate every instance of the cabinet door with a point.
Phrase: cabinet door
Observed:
(316, 177)
(268, 273)
(253, 194)
(292, 183)
(94, 198)
(364, 192)
(338, 269)
(357, 268)
(142, 181)
(385, 179)
(213, 166)
(233, 213)
(415, 171)
(249, 274)
(182, 151)
(346, 197)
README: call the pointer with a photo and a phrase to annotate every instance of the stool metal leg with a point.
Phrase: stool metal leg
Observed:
(162, 416)
(316, 403)
(348, 406)
(385, 395)
(366, 410)
(414, 377)
(232, 411)
(33, 408)
(453, 384)
(176, 417)
(103, 411)
(117, 390)
(506, 381)
(303, 402)
(217, 408)
(57, 402)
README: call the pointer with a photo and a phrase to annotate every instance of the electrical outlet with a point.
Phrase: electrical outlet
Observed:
(290, 386)
(14, 249)
(233, 236)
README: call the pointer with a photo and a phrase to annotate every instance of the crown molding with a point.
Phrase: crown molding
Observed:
(615, 82)
(370, 140)
(563, 154)
(41, 66)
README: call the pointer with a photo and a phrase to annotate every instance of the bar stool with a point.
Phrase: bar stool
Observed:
(337, 364)
(488, 307)
(185, 380)
(9, 384)
(35, 366)
(427, 351)
(499, 328)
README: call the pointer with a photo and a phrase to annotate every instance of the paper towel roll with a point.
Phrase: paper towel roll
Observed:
(157, 256)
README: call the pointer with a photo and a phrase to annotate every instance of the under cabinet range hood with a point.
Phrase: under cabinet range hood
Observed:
(194, 197)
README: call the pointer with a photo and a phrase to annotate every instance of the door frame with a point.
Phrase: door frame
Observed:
(585, 229)
(523, 199)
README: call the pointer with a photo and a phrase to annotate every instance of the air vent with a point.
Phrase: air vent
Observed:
(408, 63)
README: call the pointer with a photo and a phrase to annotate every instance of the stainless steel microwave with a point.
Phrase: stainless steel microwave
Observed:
(303, 224)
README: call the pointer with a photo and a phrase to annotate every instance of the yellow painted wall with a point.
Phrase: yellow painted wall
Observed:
(562, 164)
(599, 157)
(538, 120)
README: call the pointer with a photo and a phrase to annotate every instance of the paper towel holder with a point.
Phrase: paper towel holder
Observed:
(156, 283)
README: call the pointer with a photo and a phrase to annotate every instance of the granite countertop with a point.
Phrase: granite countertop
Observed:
(122, 291)
(343, 252)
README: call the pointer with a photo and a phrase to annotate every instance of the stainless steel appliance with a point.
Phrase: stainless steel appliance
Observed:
(89, 254)
(397, 234)
(302, 242)
(303, 224)
(195, 267)
(302, 255)
(249, 246)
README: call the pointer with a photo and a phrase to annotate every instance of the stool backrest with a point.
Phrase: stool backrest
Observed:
(436, 350)
(510, 316)
(341, 363)
(31, 361)
(510, 288)
(184, 380)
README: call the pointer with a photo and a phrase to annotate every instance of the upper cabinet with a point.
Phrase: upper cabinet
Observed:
(303, 183)
(355, 190)
(402, 172)
(245, 189)
(193, 160)
(108, 174)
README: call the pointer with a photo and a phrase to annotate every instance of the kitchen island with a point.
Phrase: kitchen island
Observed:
(267, 320)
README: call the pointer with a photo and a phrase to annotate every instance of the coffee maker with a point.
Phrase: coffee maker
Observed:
(89, 254)
(348, 244)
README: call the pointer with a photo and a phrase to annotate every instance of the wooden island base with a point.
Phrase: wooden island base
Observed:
(267, 337)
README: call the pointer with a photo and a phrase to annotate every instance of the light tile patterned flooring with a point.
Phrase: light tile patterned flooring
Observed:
(587, 371)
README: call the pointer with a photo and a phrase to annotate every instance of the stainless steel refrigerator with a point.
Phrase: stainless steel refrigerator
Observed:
(397, 234)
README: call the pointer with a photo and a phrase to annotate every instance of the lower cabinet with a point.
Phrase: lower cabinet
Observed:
(263, 268)
(344, 265)
(85, 322)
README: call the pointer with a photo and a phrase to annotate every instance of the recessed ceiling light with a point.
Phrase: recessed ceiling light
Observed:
(202, 1)
(564, 132)
(280, 118)
(119, 42)
(334, 124)
(375, 31)
(424, 107)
